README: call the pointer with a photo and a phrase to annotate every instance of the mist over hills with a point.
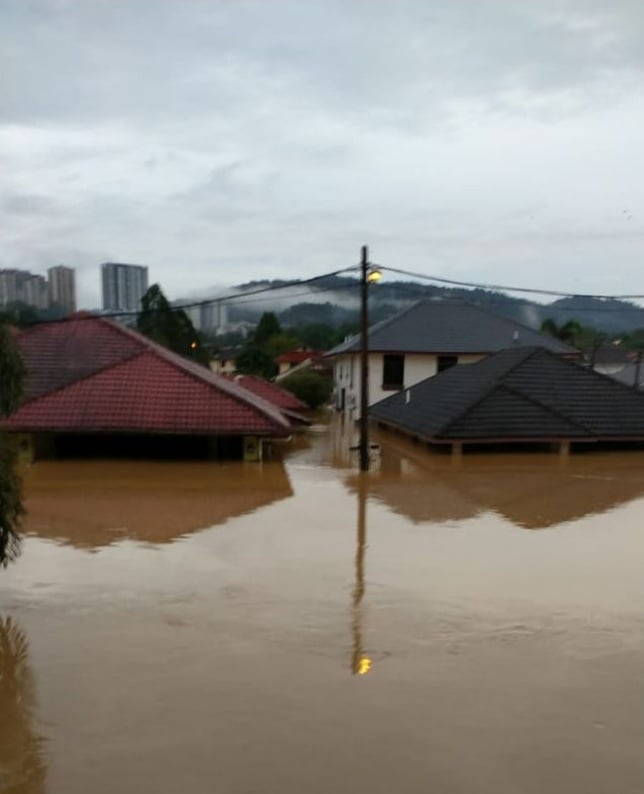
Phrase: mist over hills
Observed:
(334, 300)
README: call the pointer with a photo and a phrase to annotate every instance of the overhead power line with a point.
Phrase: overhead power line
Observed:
(238, 297)
(505, 288)
(241, 295)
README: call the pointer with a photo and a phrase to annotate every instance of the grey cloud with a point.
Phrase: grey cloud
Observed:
(254, 139)
(26, 204)
(397, 62)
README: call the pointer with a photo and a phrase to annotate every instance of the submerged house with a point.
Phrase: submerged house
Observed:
(94, 387)
(425, 339)
(292, 407)
(518, 396)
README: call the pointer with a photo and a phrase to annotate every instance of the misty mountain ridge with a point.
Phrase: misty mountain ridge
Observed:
(335, 300)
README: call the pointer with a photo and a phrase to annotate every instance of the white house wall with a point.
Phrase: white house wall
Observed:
(418, 366)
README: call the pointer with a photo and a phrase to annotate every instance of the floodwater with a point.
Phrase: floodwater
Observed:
(438, 626)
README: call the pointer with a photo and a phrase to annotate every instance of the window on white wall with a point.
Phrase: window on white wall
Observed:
(393, 372)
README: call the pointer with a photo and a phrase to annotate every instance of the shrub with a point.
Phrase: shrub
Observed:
(310, 387)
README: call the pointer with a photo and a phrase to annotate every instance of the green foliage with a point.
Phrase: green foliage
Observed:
(309, 386)
(320, 336)
(12, 375)
(267, 327)
(258, 354)
(170, 327)
(21, 314)
(11, 509)
(281, 343)
(12, 372)
(567, 332)
(254, 360)
(633, 340)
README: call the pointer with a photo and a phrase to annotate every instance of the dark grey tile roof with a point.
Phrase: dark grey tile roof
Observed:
(450, 327)
(519, 393)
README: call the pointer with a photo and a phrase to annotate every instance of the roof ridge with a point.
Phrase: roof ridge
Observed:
(487, 310)
(487, 314)
(595, 374)
(376, 327)
(82, 378)
(146, 345)
(491, 384)
(271, 383)
(550, 409)
(207, 376)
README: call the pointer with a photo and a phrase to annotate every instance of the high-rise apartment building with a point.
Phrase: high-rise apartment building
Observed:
(35, 292)
(62, 288)
(10, 286)
(21, 286)
(123, 286)
(210, 316)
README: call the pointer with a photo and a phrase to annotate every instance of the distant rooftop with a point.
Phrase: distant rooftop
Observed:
(450, 327)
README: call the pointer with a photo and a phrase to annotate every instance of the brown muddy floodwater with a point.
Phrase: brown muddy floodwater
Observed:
(290, 627)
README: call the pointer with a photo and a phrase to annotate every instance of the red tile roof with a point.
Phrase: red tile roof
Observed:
(297, 356)
(88, 374)
(269, 391)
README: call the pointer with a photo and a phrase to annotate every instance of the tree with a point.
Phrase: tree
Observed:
(170, 327)
(569, 332)
(12, 374)
(254, 360)
(319, 336)
(267, 327)
(309, 386)
(281, 343)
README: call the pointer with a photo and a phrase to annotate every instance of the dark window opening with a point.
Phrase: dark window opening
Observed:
(445, 362)
(393, 372)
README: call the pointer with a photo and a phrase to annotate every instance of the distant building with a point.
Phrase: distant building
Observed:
(21, 286)
(223, 362)
(62, 288)
(35, 292)
(293, 359)
(210, 316)
(9, 286)
(123, 286)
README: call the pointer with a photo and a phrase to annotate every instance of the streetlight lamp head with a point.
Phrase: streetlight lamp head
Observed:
(374, 276)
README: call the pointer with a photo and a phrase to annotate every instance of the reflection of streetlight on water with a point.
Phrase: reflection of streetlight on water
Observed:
(360, 663)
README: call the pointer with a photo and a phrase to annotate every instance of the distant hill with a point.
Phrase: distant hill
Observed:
(334, 301)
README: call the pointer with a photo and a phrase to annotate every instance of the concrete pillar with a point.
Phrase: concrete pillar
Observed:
(252, 449)
(26, 449)
(564, 449)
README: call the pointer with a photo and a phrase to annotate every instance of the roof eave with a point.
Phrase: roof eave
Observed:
(552, 439)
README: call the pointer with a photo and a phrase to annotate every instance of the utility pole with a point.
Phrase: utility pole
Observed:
(364, 362)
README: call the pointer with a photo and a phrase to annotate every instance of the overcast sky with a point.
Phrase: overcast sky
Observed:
(219, 141)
